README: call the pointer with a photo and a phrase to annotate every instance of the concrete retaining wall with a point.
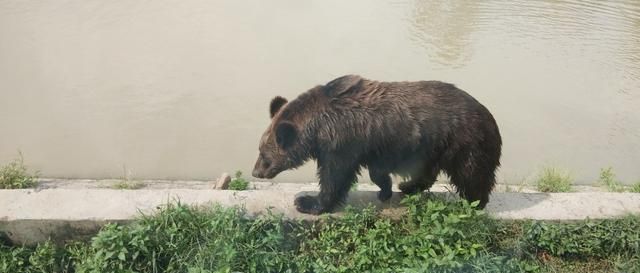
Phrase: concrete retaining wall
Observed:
(29, 216)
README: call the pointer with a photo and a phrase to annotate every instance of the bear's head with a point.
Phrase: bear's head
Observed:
(278, 144)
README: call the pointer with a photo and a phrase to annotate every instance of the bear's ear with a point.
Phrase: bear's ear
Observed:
(342, 85)
(286, 134)
(276, 104)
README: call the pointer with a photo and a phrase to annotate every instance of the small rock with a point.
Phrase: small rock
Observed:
(223, 182)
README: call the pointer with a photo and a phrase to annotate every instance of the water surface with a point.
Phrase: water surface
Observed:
(180, 89)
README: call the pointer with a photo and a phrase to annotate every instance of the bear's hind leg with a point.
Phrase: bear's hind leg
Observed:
(473, 188)
(383, 180)
(474, 180)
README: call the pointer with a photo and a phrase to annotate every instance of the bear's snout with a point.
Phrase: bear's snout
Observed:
(257, 174)
(259, 171)
(264, 174)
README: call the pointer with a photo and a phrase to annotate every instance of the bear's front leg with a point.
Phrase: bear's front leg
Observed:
(308, 204)
(383, 180)
(335, 181)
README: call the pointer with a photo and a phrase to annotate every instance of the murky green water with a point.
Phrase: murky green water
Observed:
(179, 89)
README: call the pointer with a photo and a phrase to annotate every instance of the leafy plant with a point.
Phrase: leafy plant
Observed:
(435, 235)
(587, 238)
(13, 259)
(608, 179)
(45, 257)
(627, 264)
(16, 176)
(184, 239)
(554, 180)
(238, 183)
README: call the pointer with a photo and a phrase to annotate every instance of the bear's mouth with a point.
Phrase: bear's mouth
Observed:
(271, 173)
(268, 174)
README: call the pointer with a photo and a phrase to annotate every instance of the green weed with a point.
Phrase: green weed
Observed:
(508, 188)
(627, 264)
(16, 176)
(608, 179)
(435, 235)
(45, 257)
(184, 239)
(587, 238)
(554, 180)
(239, 183)
(126, 182)
(636, 187)
(128, 185)
(517, 187)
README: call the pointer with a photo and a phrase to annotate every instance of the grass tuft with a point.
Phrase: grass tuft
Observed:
(636, 187)
(128, 185)
(554, 180)
(16, 176)
(516, 187)
(239, 183)
(608, 180)
(126, 182)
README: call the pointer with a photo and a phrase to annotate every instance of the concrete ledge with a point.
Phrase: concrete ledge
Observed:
(28, 216)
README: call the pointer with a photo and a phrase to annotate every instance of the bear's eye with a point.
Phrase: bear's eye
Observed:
(266, 163)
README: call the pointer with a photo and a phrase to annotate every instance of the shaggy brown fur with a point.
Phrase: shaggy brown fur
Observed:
(414, 129)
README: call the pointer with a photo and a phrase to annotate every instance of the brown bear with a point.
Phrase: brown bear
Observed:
(413, 129)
